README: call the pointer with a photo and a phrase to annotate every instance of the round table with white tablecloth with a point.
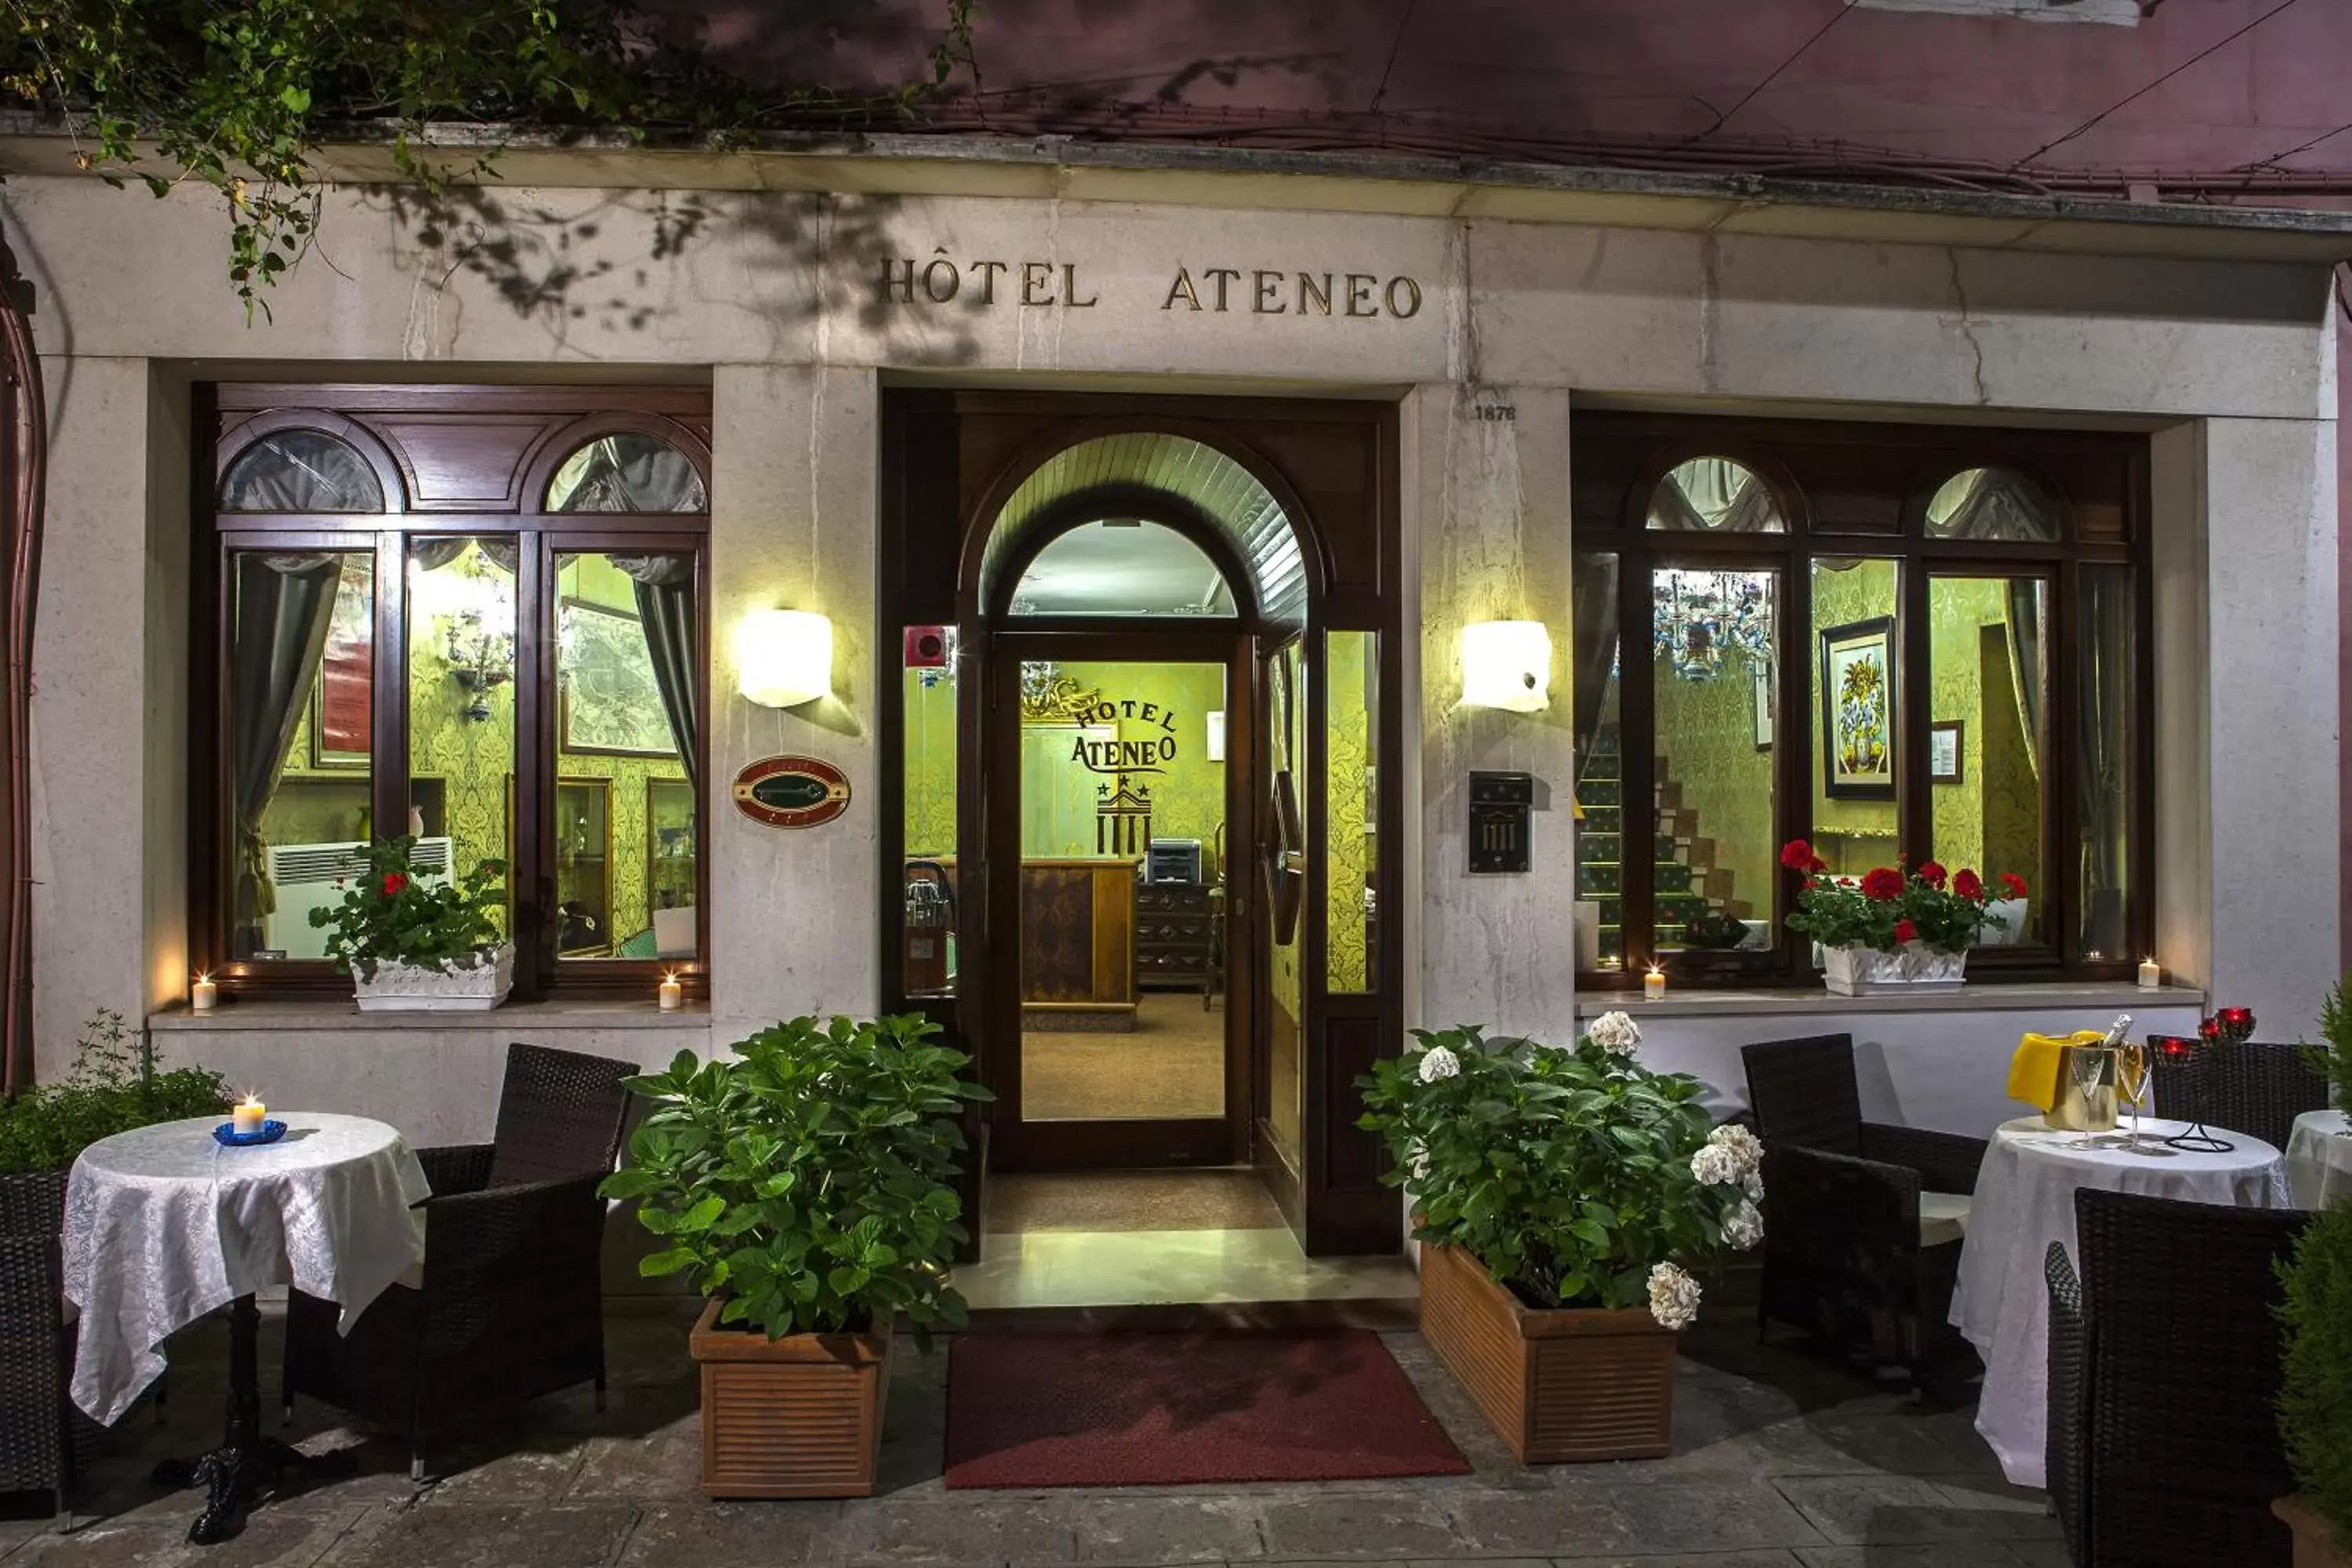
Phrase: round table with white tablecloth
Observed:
(2319, 1159)
(165, 1225)
(2024, 1201)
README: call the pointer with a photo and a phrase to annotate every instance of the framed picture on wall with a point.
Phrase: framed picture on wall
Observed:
(1761, 676)
(1944, 751)
(1857, 688)
(609, 701)
(339, 698)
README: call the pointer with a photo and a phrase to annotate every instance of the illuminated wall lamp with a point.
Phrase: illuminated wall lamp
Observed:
(1507, 665)
(784, 658)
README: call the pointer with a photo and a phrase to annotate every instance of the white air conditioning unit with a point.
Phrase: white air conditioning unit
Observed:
(305, 875)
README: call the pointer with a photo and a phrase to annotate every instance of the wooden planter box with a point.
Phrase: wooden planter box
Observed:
(795, 1417)
(1572, 1384)
(2315, 1543)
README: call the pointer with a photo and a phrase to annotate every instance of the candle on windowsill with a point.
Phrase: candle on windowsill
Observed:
(673, 995)
(2151, 976)
(246, 1120)
(202, 993)
(1653, 984)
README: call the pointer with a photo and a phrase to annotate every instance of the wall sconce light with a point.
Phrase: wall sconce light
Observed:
(1507, 665)
(1216, 752)
(784, 658)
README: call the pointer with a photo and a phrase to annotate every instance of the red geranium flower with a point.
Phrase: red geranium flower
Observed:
(2014, 883)
(1967, 885)
(393, 882)
(1905, 931)
(1932, 874)
(1883, 884)
(1797, 856)
(1816, 866)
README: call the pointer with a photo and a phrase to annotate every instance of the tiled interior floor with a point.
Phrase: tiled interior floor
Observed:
(1171, 1064)
(1158, 1239)
(1780, 1461)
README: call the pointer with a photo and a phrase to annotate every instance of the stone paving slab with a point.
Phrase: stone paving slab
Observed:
(1781, 1460)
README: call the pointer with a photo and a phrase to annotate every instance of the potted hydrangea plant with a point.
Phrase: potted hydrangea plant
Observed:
(408, 941)
(1892, 929)
(804, 1187)
(1562, 1197)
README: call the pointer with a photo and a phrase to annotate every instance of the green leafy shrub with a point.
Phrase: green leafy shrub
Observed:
(1577, 1176)
(806, 1181)
(386, 913)
(2332, 1056)
(45, 1128)
(2314, 1405)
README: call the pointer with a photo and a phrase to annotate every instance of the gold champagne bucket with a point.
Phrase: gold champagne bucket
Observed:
(2077, 1108)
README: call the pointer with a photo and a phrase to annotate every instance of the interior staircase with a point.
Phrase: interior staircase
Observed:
(1683, 877)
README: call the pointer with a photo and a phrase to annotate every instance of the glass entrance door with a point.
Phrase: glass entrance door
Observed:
(1115, 857)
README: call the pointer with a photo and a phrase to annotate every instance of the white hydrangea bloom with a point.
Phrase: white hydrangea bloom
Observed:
(1417, 1161)
(1716, 1166)
(1615, 1032)
(1744, 1145)
(1745, 1229)
(1674, 1297)
(1753, 1185)
(1439, 1063)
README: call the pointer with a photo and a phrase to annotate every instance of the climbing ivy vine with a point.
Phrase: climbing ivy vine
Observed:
(242, 96)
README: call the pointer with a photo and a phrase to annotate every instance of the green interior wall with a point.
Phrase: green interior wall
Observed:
(1349, 847)
(472, 761)
(1852, 835)
(1706, 733)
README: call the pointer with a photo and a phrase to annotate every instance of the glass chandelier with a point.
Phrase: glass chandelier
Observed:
(1699, 619)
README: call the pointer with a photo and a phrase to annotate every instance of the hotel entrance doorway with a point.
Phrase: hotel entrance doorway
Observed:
(1144, 688)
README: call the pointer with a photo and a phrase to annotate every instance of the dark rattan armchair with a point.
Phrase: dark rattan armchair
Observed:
(1847, 1253)
(2251, 1086)
(510, 1302)
(2163, 1446)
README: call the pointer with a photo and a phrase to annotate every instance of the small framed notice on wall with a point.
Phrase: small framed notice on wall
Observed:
(1944, 751)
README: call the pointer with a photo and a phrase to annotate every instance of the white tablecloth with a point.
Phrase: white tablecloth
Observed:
(2024, 1201)
(2319, 1159)
(163, 1225)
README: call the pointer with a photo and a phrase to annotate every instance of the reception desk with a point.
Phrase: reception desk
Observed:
(1077, 943)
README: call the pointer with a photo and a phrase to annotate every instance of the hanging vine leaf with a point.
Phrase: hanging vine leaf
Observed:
(243, 95)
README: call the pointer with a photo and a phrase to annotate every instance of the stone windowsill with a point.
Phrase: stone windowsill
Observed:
(345, 1018)
(2121, 995)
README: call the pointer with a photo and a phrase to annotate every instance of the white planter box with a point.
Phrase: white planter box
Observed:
(451, 988)
(1910, 970)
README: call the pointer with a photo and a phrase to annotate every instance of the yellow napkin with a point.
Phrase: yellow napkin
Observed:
(2033, 1070)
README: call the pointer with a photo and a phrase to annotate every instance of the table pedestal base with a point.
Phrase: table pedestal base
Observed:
(246, 1462)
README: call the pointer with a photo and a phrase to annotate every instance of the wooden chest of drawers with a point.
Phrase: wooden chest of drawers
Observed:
(1175, 936)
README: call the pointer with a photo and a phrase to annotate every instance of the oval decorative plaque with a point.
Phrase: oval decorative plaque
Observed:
(792, 792)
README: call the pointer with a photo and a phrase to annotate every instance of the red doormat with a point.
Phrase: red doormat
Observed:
(1153, 1409)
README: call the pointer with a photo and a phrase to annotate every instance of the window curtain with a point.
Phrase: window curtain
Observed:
(630, 473)
(1996, 504)
(1592, 611)
(666, 608)
(1713, 495)
(284, 606)
(2106, 770)
(2028, 612)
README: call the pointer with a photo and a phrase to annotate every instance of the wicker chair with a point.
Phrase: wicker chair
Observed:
(2163, 1446)
(1848, 1254)
(510, 1302)
(45, 1443)
(2252, 1087)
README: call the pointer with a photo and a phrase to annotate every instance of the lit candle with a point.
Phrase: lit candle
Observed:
(2151, 977)
(246, 1120)
(673, 995)
(1653, 984)
(202, 993)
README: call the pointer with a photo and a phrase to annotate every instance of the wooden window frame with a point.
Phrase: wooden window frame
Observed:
(1882, 477)
(374, 420)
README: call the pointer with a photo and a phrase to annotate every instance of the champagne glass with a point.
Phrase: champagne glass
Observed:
(2131, 1078)
(2088, 1065)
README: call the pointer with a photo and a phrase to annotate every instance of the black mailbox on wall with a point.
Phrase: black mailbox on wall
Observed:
(1499, 807)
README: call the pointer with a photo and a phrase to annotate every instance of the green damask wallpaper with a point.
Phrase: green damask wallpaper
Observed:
(468, 764)
(1706, 733)
(1348, 821)
(1852, 835)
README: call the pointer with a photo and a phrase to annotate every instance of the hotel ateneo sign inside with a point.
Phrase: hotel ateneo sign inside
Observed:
(1188, 290)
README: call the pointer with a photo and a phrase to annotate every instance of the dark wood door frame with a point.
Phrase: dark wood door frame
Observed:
(1127, 1143)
